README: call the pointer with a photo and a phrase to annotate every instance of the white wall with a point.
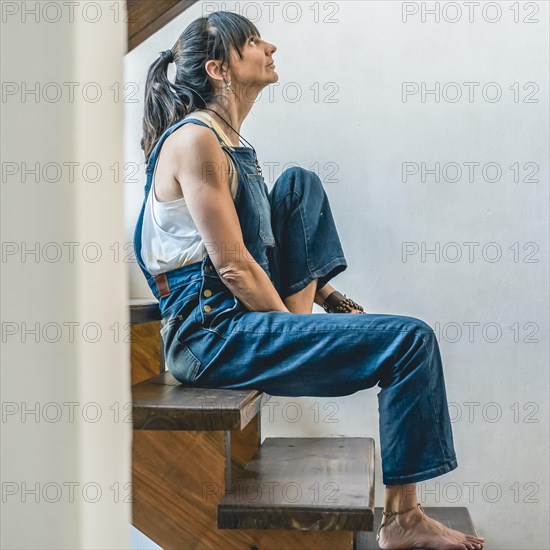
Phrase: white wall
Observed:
(497, 386)
(65, 370)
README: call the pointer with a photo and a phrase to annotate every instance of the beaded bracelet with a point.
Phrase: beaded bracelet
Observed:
(340, 303)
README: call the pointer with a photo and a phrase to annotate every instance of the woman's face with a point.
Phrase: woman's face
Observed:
(257, 67)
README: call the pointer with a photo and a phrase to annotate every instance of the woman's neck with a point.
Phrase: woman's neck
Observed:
(230, 117)
(216, 122)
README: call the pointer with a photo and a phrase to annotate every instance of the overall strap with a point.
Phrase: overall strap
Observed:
(156, 150)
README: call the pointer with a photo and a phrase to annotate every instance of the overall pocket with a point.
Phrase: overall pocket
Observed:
(258, 190)
(182, 363)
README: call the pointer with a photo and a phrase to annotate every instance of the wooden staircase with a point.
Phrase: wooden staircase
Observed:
(203, 479)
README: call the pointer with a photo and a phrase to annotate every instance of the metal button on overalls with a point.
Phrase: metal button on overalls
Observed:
(207, 308)
(208, 268)
(207, 293)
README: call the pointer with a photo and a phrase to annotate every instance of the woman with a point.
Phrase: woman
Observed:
(236, 270)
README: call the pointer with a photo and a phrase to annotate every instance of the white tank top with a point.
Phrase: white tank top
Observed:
(170, 238)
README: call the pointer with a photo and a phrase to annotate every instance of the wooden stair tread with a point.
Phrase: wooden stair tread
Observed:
(304, 483)
(457, 518)
(143, 310)
(163, 403)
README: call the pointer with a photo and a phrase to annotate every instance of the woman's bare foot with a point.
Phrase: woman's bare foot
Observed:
(414, 529)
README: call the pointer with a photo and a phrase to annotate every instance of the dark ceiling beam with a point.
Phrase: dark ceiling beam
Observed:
(146, 17)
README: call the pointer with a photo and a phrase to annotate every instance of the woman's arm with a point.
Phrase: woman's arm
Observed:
(323, 294)
(202, 168)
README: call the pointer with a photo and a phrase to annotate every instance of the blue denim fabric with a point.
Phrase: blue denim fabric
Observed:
(212, 340)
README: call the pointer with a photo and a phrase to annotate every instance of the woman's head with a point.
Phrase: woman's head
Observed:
(214, 55)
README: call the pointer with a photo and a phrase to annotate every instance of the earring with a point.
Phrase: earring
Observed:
(228, 86)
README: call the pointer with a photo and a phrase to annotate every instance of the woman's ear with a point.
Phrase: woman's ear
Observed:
(213, 69)
(216, 72)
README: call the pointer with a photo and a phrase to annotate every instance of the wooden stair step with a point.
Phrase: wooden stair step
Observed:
(457, 518)
(163, 403)
(143, 310)
(304, 483)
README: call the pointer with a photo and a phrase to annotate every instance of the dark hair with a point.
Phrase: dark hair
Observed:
(210, 37)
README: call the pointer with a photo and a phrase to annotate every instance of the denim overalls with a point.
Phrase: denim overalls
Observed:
(212, 340)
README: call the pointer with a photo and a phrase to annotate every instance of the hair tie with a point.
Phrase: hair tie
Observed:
(167, 55)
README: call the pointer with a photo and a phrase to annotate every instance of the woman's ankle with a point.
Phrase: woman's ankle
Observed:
(400, 498)
(409, 517)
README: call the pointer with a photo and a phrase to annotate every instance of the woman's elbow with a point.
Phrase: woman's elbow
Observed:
(233, 274)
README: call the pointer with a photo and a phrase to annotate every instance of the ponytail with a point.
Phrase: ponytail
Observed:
(163, 106)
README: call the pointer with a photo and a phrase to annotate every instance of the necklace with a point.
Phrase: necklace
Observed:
(258, 168)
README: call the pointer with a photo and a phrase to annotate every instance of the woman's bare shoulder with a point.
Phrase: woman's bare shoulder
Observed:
(193, 144)
(194, 153)
(190, 135)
